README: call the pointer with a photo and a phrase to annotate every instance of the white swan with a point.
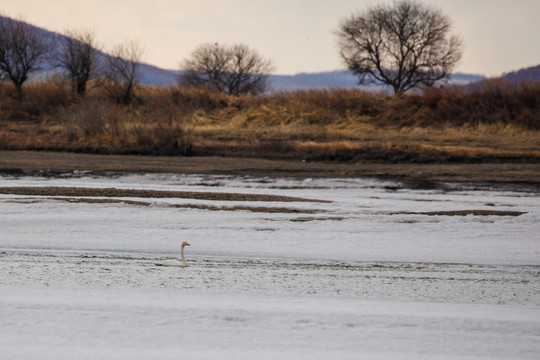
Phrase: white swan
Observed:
(176, 262)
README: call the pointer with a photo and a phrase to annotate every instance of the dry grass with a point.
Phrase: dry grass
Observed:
(494, 121)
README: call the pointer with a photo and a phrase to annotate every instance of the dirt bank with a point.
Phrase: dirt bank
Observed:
(36, 162)
(112, 192)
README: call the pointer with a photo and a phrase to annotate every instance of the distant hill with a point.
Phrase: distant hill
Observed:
(342, 79)
(527, 74)
(154, 75)
(303, 81)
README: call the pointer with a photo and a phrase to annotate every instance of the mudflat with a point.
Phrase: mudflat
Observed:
(57, 162)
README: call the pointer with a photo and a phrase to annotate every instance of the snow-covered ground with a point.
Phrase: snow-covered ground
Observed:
(365, 275)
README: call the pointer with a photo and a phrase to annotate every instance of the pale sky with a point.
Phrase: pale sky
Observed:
(297, 35)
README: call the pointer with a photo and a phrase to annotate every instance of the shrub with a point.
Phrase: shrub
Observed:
(89, 115)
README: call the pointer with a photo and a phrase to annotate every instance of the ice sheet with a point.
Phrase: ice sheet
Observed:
(360, 277)
(52, 323)
(367, 220)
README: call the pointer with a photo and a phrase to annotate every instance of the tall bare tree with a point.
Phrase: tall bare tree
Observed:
(235, 69)
(404, 45)
(23, 49)
(79, 57)
(122, 71)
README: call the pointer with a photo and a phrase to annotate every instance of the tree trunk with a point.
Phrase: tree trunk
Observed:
(81, 88)
(128, 94)
(19, 92)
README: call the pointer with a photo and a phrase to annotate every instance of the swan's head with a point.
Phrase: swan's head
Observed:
(185, 243)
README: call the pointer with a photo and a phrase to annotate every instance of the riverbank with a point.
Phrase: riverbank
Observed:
(51, 163)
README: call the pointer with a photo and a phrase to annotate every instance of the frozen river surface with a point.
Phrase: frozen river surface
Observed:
(374, 270)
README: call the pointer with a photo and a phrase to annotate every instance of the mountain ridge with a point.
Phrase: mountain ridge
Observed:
(531, 73)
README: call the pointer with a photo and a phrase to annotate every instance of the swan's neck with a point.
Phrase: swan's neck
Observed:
(182, 256)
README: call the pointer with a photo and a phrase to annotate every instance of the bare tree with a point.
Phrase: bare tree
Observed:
(235, 69)
(79, 58)
(122, 71)
(404, 45)
(206, 67)
(23, 49)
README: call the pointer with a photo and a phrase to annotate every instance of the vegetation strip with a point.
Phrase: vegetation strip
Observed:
(112, 192)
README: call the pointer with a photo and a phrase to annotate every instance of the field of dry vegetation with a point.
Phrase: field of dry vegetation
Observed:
(491, 122)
